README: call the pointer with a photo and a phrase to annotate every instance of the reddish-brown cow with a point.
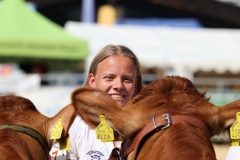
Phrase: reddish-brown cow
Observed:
(192, 119)
(24, 132)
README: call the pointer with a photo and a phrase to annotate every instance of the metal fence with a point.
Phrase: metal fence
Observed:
(73, 79)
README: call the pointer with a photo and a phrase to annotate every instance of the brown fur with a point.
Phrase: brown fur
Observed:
(21, 111)
(174, 95)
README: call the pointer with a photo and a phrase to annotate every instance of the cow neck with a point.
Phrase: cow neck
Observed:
(30, 132)
(158, 123)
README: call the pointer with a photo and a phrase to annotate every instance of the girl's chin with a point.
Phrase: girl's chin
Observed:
(121, 103)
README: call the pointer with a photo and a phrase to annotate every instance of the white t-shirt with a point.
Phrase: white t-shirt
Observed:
(83, 144)
(233, 153)
(57, 154)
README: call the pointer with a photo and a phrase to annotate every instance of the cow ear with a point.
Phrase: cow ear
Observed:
(64, 118)
(226, 116)
(90, 103)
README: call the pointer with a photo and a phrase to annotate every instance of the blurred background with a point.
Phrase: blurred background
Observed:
(46, 46)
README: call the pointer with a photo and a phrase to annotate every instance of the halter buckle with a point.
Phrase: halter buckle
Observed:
(169, 121)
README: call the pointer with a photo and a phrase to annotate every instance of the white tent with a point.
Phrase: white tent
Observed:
(183, 49)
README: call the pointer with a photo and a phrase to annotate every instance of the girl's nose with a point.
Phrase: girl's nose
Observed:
(118, 84)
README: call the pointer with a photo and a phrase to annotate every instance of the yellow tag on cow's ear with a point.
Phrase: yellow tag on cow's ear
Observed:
(103, 131)
(65, 145)
(238, 116)
(57, 130)
(235, 132)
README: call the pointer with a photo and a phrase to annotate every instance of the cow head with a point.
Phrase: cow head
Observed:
(173, 95)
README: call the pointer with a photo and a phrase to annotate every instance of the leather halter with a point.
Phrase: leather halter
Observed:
(159, 122)
(30, 132)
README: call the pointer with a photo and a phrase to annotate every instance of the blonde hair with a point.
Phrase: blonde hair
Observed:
(111, 50)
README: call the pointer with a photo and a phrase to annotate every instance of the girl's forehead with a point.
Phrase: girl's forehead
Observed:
(118, 64)
(117, 61)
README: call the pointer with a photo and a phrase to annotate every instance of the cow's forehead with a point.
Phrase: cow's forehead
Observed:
(175, 89)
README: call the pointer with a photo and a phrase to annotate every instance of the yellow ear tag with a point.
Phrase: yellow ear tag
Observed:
(103, 131)
(235, 132)
(65, 145)
(57, 130)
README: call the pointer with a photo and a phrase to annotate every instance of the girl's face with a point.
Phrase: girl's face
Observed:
(116, 75)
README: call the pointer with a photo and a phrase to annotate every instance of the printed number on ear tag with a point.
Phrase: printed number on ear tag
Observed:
(57, 130)
(103, 131)
(235, 131)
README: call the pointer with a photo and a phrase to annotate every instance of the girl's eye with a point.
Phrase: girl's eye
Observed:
(128, 80)
(108, 78)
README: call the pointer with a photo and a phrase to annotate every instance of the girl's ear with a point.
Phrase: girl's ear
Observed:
(91, 80)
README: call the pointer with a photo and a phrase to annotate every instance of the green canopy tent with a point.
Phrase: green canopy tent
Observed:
(26, 33)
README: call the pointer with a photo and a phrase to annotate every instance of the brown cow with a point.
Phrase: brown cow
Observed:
(24, 132)
(169, 119)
